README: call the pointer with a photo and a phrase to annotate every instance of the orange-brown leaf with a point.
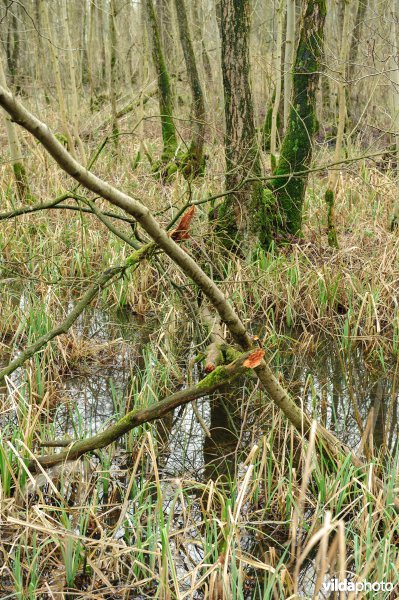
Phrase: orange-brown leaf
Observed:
(209, 368)
(254, 359)
(181, 231)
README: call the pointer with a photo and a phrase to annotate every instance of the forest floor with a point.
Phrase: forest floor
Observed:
(230, 504)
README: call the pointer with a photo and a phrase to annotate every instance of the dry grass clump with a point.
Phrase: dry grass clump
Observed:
(127, 531)
(79, 353)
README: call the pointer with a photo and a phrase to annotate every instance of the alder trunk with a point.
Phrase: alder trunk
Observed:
(164, 85)
(195, 160)
(297, 145)
(242, 216)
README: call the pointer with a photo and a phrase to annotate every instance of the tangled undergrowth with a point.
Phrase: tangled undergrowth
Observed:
(264, 515)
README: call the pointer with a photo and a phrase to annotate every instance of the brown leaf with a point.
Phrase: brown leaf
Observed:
(254, 359)
(209, 368)
(181, 231)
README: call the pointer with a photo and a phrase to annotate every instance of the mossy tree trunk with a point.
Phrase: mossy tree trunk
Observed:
(194, 164)
(164, 86)
(296, 149)
(241, 216)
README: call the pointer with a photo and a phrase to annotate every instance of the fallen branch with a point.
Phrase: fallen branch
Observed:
(220, 376)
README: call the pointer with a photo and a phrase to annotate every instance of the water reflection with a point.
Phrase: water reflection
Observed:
(220, 448)
(342, 390)
(97, 395)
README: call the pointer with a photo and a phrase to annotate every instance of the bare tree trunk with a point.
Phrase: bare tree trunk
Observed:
(12, 44)
(41, 64)
(198, 18)
(333, 174)
(241, 215)
(72, 82)
(395, 102)
(166, 30)
(353, 91)
(356, 36)
(277, 70)
(82, 67)
(91, 52)
(195, 161)
(103, 37)
(113, 69)
(57, 75)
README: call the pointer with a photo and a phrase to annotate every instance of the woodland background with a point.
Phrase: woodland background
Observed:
(199, 328)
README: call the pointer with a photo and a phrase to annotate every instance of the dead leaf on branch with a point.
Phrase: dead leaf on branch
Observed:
(181, 232)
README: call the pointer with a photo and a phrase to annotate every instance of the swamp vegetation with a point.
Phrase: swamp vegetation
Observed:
(199, 318)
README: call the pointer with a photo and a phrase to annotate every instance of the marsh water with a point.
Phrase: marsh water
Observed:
(342, 389)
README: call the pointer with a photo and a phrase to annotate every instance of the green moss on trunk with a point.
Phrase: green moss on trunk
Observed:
(164, 87)
(194, 161)
(21, 180)
(331, 231)
(296, 150)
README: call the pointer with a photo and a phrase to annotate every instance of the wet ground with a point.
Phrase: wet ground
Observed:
(342, 390)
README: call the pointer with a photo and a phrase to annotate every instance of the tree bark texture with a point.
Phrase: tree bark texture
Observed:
(241, 216)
